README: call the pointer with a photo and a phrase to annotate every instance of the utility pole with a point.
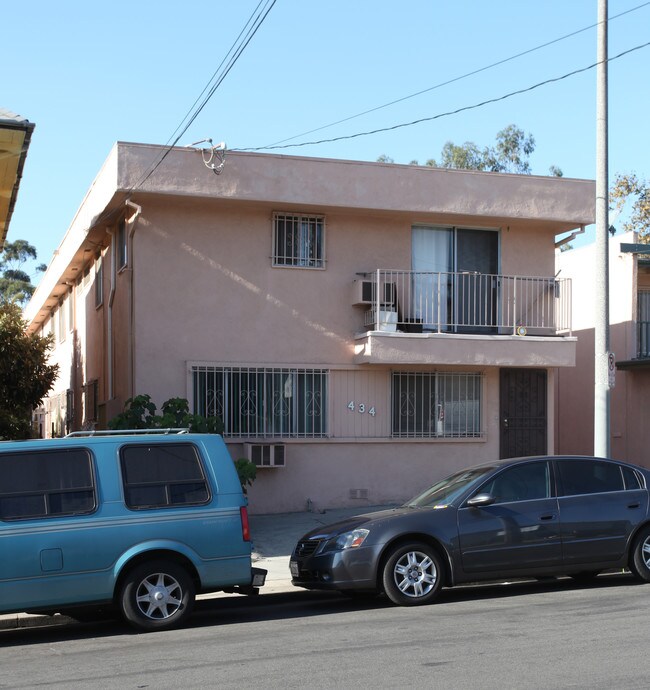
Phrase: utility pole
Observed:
(601, 330)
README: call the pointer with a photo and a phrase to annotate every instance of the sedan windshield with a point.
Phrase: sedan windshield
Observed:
(447, 490)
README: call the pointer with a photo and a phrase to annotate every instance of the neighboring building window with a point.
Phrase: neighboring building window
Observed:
(254, 402)
(163, 476)
(431, 405)
(62, 321)
(298, 240)
(91, 408)
(643, 324)
(122, 257)
(69, 410)
(56, 405)
(99, 282)
(46, 484)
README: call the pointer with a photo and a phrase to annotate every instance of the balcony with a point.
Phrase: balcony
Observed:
(463, 318)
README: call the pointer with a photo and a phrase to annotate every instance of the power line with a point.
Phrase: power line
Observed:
(190, 117)
(446, 114)
(445, 83)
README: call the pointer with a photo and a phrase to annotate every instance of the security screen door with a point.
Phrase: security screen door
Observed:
(455, 285)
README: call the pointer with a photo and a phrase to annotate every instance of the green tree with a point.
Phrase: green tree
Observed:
(15, 282)
(631, 187)
(140, 413)
(511, 153)
(25, 375)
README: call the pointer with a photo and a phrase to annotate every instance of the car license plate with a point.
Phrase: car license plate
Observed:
(293, 567)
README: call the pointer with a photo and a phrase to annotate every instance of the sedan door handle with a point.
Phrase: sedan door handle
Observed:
(547, 517)
(634, 505)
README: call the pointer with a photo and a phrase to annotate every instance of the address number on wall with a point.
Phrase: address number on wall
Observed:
(362, 408)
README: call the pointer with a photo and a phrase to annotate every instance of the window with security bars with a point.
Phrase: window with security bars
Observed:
(263, 402)
(298, 240)
(436, 405)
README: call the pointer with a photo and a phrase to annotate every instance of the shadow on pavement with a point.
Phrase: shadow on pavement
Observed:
(233, 610)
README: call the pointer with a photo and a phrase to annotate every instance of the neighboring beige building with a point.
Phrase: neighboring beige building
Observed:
(366, 328)
(15, 136)
(629, 309)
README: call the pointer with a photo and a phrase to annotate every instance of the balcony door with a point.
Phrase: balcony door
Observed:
(454, 284)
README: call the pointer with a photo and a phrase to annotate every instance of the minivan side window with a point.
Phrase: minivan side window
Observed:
(51, 483)
(163, 476)
(589, 477)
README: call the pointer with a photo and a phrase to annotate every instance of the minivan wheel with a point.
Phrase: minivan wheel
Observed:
(157, 596)
(412, 575)
(640, 559)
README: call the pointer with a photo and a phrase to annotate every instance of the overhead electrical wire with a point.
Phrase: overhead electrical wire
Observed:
(251, 27)
(444, 83)
(445, 114)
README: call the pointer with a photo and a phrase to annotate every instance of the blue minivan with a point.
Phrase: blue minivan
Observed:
(137, 522)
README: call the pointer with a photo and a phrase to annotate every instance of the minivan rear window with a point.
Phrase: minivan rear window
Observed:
(50, 483)
(163, 476)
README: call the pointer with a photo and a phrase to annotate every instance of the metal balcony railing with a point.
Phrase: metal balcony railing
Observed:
(479, 303)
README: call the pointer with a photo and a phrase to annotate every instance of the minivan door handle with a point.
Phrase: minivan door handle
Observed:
(634, 505)
(547, 517)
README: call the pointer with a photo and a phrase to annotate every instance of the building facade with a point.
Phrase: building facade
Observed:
(362, 329)
(629, 310)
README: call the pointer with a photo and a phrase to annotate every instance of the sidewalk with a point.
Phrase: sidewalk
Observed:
(274, 537)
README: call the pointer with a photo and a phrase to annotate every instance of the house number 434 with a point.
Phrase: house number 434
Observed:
(361, 408)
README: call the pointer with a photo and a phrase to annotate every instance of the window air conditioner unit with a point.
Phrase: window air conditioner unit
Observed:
(363, 292)
(265, 454)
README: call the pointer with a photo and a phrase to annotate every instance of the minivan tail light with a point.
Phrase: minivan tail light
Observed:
(245, 528)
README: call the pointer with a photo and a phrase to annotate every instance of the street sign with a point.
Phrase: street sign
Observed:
(611, 369)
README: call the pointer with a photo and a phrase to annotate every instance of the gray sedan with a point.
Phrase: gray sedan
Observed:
(524, 517)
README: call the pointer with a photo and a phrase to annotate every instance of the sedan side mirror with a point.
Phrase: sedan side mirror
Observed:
(481, 500)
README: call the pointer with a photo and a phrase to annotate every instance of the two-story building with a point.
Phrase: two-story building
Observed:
(629, 335)
(361, 328)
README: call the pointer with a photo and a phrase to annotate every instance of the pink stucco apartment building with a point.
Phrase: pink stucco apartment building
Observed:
(629, 309)
(362, 329)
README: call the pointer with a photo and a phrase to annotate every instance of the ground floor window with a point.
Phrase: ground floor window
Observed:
(436, 404)
(255, 401)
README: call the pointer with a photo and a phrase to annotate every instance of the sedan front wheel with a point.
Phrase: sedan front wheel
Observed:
(412, 575)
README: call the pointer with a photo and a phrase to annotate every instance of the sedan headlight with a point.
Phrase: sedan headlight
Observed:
(348, 540)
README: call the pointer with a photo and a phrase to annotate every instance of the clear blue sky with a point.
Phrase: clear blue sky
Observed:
(89, 74)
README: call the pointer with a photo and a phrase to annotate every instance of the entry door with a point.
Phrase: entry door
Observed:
(523, 412)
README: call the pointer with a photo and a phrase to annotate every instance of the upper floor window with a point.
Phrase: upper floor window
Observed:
(298, 241)
(99, 282)
(643, 323)
(122, 257)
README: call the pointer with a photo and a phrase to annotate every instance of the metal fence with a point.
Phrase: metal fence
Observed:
(468, 303)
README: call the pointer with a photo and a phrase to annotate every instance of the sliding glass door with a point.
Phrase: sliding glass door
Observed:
(455, 285)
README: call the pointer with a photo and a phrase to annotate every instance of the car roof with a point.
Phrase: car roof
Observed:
(506, 462)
